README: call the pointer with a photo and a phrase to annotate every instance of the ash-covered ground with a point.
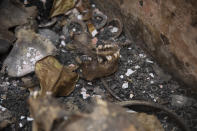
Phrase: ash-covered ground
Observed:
(138, 77)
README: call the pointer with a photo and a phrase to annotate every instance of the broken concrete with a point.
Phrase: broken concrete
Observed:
(167, 30)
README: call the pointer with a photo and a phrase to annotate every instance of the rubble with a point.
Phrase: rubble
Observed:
(29, 48)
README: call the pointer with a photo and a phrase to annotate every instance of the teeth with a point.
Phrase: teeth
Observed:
(100, 60)
(108, 46)
(109, 58)
(117, 54)
(90, 58)
(100, 47)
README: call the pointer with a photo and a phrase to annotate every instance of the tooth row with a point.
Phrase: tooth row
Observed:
(108, 46)
(105, 46)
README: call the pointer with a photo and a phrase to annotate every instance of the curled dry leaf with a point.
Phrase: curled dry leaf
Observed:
(55, 78)
(61, 7)
(49, 115)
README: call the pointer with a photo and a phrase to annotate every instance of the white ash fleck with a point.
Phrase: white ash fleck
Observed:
(63, 51)
(131, 96)
(84, 94)
(90, 83)
(125, 85)
(79, 17)
(77, 85)
(30, 119)
(137, 67)
(161, 86)
(131, 111)
(121, 76)
(152, 75)
(142, 55)
(148, 78)
(93, 5)
(74, 30)
(129, 48)
(130, 61)
(22, 117)
(2, 108)
(63, 43)
(129, 72)
(20, 125)
(94, 33)
(152, 82)
(114, 30)
(149, 61)
(120, 56)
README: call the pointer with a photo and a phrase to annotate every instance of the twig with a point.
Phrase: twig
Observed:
(155, 106)
(109, 90)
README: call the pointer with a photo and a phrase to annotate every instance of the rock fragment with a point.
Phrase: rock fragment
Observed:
(29, 48)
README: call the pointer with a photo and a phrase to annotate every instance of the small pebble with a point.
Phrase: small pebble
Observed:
(22, 117)
(30, 119)
(149, 61)
(2, 108)
(131, 96)
(129, 72)
(114, 30)
(151, 82)
(94, 33)
(125, 85)
(137, 67)
(90, 83)
(152, 75)
(79, 17)
(20, 125)
(63, 43)
(121, 76)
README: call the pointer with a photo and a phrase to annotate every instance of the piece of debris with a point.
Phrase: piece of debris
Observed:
(29, 48)
(129, 72)
(125, 85)
(55, 78)
(61, 7)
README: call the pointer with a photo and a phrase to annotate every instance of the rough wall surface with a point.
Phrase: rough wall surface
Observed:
(166, 29)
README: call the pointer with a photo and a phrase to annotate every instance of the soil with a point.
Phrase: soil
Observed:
(147, 82)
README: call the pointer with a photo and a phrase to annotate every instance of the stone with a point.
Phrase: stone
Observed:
(166, 29)
(28, 49)
(49, 34)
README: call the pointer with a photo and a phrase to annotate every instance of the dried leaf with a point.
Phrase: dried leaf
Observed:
(54, 77)
(61, 7)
